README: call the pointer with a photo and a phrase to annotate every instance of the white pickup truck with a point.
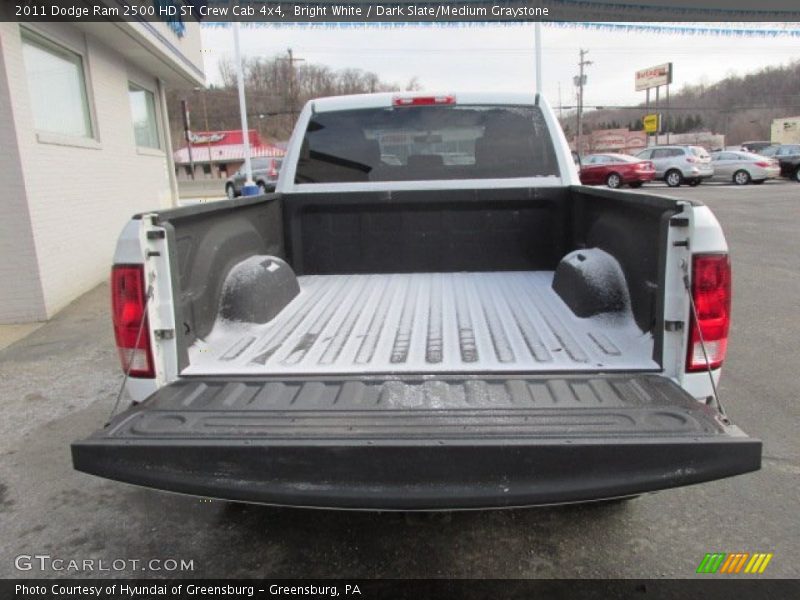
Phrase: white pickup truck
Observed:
(430, 313)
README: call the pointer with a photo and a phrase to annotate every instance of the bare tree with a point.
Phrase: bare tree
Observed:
(275, 88)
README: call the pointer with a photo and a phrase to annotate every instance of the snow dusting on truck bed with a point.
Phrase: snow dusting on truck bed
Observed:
(424, 322)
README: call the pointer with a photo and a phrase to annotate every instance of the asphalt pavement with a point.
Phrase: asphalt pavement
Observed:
(59, 384)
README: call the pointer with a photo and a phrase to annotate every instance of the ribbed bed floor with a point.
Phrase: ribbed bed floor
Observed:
(424, 323)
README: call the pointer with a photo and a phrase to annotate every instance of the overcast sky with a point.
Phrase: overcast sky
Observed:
(498, 57)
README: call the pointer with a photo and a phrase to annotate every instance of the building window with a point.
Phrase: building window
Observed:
(143, 109)
(57, 87)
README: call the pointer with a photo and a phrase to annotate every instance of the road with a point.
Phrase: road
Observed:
(59, 384)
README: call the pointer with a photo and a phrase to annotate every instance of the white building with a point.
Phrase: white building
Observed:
(785, 131)
(84, 144)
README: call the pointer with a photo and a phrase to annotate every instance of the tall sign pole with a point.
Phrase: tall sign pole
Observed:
(658, 87)
(537, 32)
(249, 188)
(669, 116)
(645, 80)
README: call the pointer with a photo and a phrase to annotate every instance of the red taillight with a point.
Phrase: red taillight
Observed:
(711, 290)
(762, 164)
(128, 300)
(691, 159)
(423, 100)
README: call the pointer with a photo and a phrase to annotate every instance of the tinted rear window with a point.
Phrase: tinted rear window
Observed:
(426, 143)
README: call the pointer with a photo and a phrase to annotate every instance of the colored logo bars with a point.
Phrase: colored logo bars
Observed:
(737, 562)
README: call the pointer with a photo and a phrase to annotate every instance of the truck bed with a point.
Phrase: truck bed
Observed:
(480, 322)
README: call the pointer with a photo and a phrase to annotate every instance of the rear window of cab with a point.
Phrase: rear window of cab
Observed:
(429, 142)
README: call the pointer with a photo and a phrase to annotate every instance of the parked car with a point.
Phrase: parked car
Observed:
(265, 175)
(616, 170)
(769, 150)
(679, 164)
(755, 146)
(788, 156)
(744, 167)
(423, 335)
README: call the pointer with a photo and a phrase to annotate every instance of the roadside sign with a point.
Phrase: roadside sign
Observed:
(652, 123)
(654, 77)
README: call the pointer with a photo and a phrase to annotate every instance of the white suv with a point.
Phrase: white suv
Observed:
(679, 164)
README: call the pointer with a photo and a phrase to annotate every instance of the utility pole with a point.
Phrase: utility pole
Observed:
(187, 133)
(560, 112)
(292, 81)
(208, 133)
(580, 81)
(202, 90)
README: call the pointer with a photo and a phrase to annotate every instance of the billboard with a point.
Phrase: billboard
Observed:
(653, 77)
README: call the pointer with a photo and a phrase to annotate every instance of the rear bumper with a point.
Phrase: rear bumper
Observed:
(614, 437)
(641, 177)
(420, 476)
(700, 173)
(767, 173)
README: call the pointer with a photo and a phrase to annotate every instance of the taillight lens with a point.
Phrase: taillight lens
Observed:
(711, 290)
(128, 303)
(762, 164)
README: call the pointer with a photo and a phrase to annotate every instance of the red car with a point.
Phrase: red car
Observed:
(616, 170)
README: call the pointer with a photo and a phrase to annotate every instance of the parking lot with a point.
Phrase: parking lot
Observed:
(60, 382)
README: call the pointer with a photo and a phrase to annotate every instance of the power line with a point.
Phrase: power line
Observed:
(695, 108)
(721, 50)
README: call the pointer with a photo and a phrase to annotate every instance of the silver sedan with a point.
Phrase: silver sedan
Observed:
(744, 167)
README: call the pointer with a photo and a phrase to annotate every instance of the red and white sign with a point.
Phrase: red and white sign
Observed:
(225, 146)
(206, 138)
(653, 77)
(615, 140)
(609, 139)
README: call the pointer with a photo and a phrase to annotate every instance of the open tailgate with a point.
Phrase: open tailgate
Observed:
(418, 442)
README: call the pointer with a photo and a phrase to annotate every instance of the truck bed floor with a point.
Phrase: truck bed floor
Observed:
(424, 323)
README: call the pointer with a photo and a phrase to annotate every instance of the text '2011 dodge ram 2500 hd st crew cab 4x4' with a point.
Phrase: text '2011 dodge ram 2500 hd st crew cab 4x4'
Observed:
(430, 312)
